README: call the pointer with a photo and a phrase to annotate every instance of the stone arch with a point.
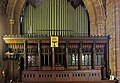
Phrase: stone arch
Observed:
(13, 11)
(95, 9)
(97, 16)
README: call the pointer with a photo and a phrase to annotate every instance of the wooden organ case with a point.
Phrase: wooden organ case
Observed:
(75, 59)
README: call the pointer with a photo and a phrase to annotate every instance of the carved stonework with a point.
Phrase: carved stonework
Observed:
(35, 3)
(75, 3)
(3, 5)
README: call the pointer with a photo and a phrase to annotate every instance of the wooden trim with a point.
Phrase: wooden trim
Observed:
(53, 57)
(93, 56)
(80, 55)
(66, 54)
(25, 55)
(39, 57)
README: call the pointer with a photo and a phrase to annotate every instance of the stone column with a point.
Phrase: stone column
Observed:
(117, 36)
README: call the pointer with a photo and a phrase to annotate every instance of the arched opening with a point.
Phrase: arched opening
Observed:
(61, 18)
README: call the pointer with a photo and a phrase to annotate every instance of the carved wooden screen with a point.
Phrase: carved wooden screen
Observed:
(86, 54)
(60, 55)
(32, 54)
(16, 49)
(46, 57)
(73, 54)
(99, 54)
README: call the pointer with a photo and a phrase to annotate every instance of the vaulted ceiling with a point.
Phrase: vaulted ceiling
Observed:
(95, 8)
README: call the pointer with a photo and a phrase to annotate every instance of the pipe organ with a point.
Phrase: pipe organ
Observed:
(55, 17)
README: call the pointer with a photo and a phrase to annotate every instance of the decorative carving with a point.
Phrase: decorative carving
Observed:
(4, 5)
(75, 3)
(35, 3)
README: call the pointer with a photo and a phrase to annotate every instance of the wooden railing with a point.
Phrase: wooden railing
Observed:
(61, 76)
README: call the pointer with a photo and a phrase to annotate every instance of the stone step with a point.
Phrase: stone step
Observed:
(103, 81)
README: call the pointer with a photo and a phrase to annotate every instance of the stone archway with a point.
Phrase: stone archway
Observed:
(95, 9)
(96, 12)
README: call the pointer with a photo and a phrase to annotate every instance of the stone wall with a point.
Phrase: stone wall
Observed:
(110, 30)
(3, 30)
(117, 36)
(113, 29)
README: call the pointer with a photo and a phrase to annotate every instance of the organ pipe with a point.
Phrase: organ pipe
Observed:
(56, 17)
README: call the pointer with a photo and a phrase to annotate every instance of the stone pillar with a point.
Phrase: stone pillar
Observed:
(117, 32)
(110, 30)
(3, 30)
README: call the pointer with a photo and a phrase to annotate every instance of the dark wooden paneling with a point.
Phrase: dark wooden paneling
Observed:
(105, 81)
(61, 76)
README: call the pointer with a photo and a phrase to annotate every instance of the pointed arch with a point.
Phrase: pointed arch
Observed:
(97, 15)
(95, 9)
